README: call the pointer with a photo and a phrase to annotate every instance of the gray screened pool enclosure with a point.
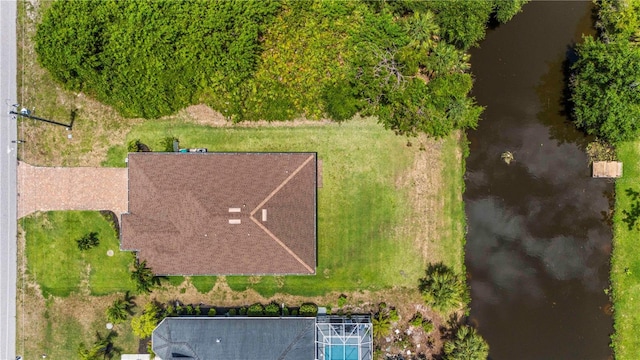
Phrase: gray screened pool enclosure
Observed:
(344, 338)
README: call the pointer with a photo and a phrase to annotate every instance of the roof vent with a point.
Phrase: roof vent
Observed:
(234, 221)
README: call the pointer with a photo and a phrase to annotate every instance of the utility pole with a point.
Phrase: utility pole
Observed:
(26, 113)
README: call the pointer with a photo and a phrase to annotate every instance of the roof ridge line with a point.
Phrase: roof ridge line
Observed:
(279, 187)
(287, 249)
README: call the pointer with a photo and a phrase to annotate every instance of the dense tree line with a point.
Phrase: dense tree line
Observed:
(404, 61)
(605, 91)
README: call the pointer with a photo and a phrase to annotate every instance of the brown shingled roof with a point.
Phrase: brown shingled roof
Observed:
(182, 209)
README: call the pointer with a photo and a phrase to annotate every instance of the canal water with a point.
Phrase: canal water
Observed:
(539, 237)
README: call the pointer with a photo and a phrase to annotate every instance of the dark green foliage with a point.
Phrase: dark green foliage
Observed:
(618, 20)
(167, 143)
(88, 241)
(285, 311)
(150, 58)
(443, 289)
(144, 278)
(212, 312)
(272, 309)
(506, 9)
(466, 344)
(274, 60)
(134, 145)
(418, 321)
(342, 300)
(102, 348)
(463, 22)
(255, 310)
(121, 309)
(632, 216)
(605, 89)
(436, 108)
(243, 310)
(308, 310)
(341, 102)
(381, 325)
(232, 312)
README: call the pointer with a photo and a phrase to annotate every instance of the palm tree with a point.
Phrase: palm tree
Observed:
(121, 309)
(143, 276)
(103, 348)
(381, 325)
(446, 59)
(443, 289)
(423, 30)
(88, 241)
(466, 344)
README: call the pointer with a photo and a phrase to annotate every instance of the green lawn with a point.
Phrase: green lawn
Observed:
(360, 207)
(625, 262)
(54, 261)
(203, 284)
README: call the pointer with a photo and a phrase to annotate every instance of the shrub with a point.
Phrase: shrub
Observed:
(294, 312)
(272, 309)
(309, 310)
(142, 325)
(243, 310)
(166, 144)
(197, 310)
(189, 309)
(179, 309)
(427, 326)
(393, 315)
(134, 145)
(232, 312)
(212, 312)
(88, 241)
(342, 300)
(255, 310)
(417, 320)
(285, 311)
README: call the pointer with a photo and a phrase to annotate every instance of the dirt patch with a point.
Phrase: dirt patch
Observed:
(424, 182)
(204, 115)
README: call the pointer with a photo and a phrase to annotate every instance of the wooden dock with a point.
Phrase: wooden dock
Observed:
(607, 169)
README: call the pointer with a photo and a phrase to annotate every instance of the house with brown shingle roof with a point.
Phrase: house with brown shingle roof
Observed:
(222, 213)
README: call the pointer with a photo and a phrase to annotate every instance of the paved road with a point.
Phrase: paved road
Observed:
(8, 162)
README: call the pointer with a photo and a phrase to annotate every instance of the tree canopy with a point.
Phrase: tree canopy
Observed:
(605, 91)
(403, 61)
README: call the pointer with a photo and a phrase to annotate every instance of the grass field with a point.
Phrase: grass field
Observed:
(60, 268)
(65, 290)
(625, 262)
